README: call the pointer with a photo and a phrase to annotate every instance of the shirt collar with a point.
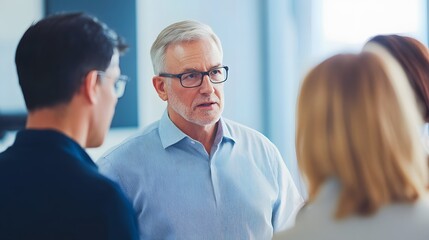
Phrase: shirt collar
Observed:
(168, 132)
(224, 131)
(171, 135)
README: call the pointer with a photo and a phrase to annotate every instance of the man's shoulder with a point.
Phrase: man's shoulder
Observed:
(105, 188)
(240, 131)
(68, 170)
(147, 134)
(5, 155)
(137, 143)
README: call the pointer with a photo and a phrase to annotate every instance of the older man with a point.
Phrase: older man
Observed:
(194, 174)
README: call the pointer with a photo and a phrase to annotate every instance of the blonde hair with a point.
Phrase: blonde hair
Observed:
(356, 125)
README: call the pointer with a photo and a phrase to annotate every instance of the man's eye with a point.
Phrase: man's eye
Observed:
(117, 83)
(215, 72)
(190, 76)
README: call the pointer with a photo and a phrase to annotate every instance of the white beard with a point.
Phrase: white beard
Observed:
(202, 118)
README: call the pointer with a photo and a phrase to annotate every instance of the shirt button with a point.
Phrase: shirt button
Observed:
(193, 142)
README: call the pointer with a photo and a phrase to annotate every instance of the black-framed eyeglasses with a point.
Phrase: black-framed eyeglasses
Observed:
(119, 85)
(195, 79)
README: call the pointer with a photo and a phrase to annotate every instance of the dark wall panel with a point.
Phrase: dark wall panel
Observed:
(120, 16)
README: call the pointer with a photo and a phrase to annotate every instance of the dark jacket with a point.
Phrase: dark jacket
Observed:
(51, 189)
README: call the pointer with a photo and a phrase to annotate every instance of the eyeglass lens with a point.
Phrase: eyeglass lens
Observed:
(193, 79)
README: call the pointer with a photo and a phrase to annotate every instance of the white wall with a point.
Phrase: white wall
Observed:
(16, 17)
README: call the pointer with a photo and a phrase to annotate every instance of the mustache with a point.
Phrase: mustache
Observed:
(212, 99)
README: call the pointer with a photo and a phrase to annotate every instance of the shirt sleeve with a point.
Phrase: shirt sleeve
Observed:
(289, 200)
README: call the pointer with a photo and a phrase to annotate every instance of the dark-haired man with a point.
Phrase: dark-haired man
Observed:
(68, 70)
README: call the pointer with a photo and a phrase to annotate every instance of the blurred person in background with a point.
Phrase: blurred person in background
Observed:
(360, 152)
(413, 56)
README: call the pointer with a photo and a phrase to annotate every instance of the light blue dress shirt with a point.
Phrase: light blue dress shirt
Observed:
(241, 190)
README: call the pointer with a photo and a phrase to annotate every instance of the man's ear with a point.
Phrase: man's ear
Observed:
(159, 85)
(90, 86)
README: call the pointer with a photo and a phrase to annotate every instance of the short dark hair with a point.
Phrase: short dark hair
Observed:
(55, 54)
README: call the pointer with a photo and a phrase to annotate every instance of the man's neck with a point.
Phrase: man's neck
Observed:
(205, 135)
(58, 119)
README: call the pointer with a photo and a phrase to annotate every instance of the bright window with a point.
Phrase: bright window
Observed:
(345, 25)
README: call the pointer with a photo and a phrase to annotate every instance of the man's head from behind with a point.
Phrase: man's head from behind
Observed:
(56, 57)
(55, 54)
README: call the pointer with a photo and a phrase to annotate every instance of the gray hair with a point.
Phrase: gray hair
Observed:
(178, 32)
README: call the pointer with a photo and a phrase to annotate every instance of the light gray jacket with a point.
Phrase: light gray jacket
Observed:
(393, 222)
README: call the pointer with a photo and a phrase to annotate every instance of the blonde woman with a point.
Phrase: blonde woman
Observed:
(359, 149)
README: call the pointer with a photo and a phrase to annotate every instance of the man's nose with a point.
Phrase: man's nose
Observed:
(206, 86)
